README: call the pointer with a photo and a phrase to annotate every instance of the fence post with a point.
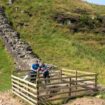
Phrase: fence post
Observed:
(70, 86)
(61, 75)
(96, 75)
(76, 82)
(19, 86)
(12, 82)
(37, 85)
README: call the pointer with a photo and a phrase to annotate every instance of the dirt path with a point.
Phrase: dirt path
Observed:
(6, 98)
(87, 101)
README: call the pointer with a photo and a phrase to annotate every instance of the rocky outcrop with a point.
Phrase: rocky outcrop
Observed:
(20, 50)
(81, 21)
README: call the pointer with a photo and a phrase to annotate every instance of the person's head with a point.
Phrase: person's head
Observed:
(42, 64)
(36, 62)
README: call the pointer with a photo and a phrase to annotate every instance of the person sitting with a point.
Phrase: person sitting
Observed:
(45, 72)
(35, 66)
(34, 70)
(33, 73)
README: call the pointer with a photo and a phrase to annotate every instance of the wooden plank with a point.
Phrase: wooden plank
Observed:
(84, 94)
(24, 95)
(31, 103)
(85, 86)
(39, 71)
(68, 73)
(57, 84)
(64, 69)
(51, 94)
(78, 90)
(22, 80)
(83, 72)
(82, 84)
(66, 92)
(55, 78)
(28, 87)
(87, 75)
(57, 98)
(54, 89)
(83, 80)
(54, 72)
(51, 75)
(84, 77)
(80, 76)
(24, 90)
(67, 82)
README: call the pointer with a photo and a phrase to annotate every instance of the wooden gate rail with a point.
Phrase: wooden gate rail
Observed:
(24, 89)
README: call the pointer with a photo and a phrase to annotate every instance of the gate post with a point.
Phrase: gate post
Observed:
(76, 83)
(61, 75)
(96, 77)
(37, 86)
(70, 86)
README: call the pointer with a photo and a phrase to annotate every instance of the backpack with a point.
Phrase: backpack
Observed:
(35, 66)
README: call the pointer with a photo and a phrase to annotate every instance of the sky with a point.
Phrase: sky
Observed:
(101, 2)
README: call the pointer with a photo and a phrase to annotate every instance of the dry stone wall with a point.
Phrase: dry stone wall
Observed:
(20, 50)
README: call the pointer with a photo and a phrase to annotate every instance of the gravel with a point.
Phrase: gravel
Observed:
(87, 101)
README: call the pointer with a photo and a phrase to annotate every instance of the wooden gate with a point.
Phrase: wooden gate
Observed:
(61, 86)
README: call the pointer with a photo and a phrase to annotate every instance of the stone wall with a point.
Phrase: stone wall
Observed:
(20, 50)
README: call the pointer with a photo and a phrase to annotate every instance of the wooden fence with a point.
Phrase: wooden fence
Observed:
(61, 86)
(25, 90)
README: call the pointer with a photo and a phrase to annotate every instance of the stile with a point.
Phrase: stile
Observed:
(66, 84)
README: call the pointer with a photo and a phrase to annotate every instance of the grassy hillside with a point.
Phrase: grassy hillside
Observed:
(6, 66)
(53, 42)
(99, 9)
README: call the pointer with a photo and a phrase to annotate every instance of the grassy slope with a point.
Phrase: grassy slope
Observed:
(99, 9)
(54, 43)
(6, 66)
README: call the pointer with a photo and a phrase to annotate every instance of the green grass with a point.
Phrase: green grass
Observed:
(55, 43)
(99, 9)
(6, 67)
